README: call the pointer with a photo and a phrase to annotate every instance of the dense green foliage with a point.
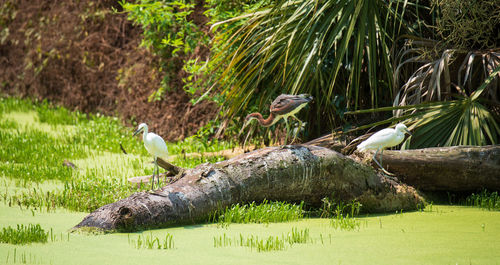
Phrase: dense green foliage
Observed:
(313, 47)
(168, 32)
(264, 212)
(173, 30)
(23, 234)
(351, 55)
(475, 27)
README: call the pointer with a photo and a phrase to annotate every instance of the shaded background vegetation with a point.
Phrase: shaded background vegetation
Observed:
(431, 64)
(85, 56)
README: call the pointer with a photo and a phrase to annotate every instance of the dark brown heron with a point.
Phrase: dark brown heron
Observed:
(283, 106)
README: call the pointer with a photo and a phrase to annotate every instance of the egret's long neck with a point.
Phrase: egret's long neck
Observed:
(144, 133)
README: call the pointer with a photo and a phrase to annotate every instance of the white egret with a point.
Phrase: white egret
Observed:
(156, 147)
(382, 139)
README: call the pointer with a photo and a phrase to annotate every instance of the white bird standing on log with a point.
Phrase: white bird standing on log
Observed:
(382, 139)
(156, 147)
(283, 106)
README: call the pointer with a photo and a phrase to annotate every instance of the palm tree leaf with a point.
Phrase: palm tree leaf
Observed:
(324, 48)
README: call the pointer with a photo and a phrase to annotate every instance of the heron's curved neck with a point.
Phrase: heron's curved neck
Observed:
(264, 122)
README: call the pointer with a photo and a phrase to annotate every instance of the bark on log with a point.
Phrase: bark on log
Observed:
(291, 173)
(457, 169)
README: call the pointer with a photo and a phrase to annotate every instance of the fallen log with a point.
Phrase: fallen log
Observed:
(455, 169)
(290, 173)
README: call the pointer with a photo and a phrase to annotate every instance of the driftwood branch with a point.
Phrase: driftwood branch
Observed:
(292, 173)
(168, 166)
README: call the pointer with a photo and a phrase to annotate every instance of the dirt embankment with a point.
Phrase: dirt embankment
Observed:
(82, 55)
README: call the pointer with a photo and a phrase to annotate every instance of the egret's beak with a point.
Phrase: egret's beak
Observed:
(137, 131)
(408, 132)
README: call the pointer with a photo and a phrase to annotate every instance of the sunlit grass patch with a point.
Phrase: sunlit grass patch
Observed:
(269, 243)
(83, 196)
(191, 162)
(14, 104)
(265, 212)
(35, 147)
(24, 234)
(484, 199)
(97, 180)
(37, 138)
(6, 123)
(56, 115)
(37, 173)
(28, 121)
(195, 144)
(345, 222)
(152, 242)
(342, 214)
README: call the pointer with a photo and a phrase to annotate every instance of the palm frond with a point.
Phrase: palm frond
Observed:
(333, 49)
(464, 121)
(432, 80)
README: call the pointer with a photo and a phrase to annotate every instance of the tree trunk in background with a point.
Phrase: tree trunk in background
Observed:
(292, 173)
(455, 169)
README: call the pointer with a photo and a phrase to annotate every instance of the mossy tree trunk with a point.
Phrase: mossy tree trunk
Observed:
(292, 173)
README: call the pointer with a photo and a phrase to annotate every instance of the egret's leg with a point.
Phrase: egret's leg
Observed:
(153, 177)
(158, 175)
(380, 164)
(376, 161)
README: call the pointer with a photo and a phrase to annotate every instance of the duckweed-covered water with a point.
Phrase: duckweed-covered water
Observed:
(447, 235)
(438, 235)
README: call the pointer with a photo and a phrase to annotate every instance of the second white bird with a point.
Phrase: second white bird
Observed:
(382, 139)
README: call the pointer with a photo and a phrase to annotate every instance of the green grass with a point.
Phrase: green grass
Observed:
(194, 144)
(345, 222)
(191, 162)
(38, 137)
(484, 199)
(152, 242)
(8, 124)
(265, 212)
(23, 234)
(10, 104)
(266, 243)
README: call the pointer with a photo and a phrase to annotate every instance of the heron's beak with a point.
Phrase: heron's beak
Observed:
(137, 131)
(408, 132)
